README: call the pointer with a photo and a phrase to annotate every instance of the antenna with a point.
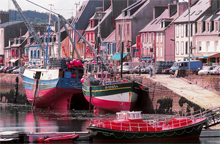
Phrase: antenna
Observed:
(76, 6)
(50, 13)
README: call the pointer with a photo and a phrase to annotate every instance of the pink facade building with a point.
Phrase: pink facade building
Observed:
(157, 38)
(130, 22)
(203, 32)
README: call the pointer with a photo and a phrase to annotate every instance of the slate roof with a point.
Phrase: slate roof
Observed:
(195, 11)
(10, 23)
(107, 13)
(139, 5)
(154, 25)
(110, 38)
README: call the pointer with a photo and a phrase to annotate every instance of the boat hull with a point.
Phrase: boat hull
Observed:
(53, 93)
(191, 132)
(115, 97)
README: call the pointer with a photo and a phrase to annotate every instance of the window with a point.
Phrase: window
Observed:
(200, 46)
(142, 37)
(7, 53)
(16, 52)
(38, 55)
(26, 52)
(12, 53)
(161, 52)
(149, 36)
(88, 36)
(128, 29)
(31, 54)
(119, 30)
(50, 51)
(177, 48)
(157, 52)
(146, 36)
(161, 37)
(142, 53)
(182, 30)
(35, 53)
(186, 48)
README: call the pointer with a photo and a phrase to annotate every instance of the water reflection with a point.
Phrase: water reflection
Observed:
(22, 118)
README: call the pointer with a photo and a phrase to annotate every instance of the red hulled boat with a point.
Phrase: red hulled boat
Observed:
(129, 127)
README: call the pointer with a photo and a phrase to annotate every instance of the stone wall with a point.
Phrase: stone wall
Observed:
(210, 82)
(7, 89)
(157, 99)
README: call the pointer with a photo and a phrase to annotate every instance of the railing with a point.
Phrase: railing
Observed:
(165, 123)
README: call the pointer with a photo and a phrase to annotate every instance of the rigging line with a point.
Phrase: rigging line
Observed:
(42, 7)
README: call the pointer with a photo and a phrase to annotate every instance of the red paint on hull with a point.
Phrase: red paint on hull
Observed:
(114, 106)
(188, 138)
(55, 98)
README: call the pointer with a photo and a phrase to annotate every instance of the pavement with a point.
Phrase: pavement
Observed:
(194, 93)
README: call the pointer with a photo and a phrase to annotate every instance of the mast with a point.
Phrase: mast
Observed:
(48, 37)
(122, 47)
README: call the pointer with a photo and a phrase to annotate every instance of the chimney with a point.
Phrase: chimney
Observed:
(158, 10)
(181, 7)
(172, 8)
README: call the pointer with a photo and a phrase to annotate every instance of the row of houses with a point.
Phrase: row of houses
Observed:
(162, 30)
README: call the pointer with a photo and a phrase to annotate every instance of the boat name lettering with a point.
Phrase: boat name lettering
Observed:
(111, 87)
(105, 133)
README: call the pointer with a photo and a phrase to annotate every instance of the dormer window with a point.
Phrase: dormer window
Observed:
(161, 24)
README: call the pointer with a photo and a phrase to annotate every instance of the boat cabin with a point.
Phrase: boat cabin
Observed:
(103, 76)
(134, 115)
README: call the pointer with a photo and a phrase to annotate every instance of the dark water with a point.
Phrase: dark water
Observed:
(22, 118)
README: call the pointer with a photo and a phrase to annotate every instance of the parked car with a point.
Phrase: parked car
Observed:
(215, 71)
(146, 69)
(1, 69)
(161, 65)
(136, 69)
(13, 68)
(206, 70)
(194, 66)
(125, 70)
(16, 71)
(6, 68)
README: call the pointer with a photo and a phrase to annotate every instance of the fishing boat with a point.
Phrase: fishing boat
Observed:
(130, 127)
(104, 92)
(53, 88)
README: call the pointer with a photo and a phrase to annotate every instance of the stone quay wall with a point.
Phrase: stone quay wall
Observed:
(209, 82)
(7, 89)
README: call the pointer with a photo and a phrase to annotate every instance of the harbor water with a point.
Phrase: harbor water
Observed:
(23, 118)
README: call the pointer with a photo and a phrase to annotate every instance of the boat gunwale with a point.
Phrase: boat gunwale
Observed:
(167, 130)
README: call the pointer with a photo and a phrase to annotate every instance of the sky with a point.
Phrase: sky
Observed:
(67, 8)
